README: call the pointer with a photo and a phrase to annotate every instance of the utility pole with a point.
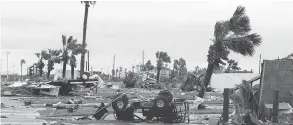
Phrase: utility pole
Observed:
(85, 65)
(142, 57)
(12, 71)
(1, 71)
(114, 62)
(259, 67)
(113, 71)
(133, 65)
(88, 60)
(7, 53)
(109, 73)
(142, 66)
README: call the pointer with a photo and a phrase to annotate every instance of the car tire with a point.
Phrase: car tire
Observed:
(120, 104)
(161, 103)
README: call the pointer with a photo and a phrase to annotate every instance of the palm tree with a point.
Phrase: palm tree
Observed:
(133, 68)
(125, 71)
(52, 56)
(69, 44)
(231, 35)
(75, 50)
(175, 69)
(182, 66)
(40, 64)
(117, 70)
(22, 61)
(120, 70)
(87, 5)
(232, 65)
(162, 57)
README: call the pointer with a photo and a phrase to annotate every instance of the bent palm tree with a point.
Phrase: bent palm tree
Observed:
(22, 61)
(231, 35)
(87, 5)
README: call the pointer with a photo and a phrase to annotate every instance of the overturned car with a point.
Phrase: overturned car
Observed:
(162, 108)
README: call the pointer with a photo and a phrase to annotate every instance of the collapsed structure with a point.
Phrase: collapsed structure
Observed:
(60, 86)
(253, 103)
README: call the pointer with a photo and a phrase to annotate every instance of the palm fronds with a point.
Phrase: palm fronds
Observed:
(88, 3)
(22, 61)
(233, 34)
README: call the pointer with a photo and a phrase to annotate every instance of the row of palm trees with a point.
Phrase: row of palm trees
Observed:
(66, 55)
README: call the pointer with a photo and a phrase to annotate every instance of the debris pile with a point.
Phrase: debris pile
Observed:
(192, 82)
(142, 80)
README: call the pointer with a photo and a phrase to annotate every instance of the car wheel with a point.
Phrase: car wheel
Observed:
(120, 103)
(161, 103)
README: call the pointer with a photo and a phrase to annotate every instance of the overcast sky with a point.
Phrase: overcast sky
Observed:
(183, 29)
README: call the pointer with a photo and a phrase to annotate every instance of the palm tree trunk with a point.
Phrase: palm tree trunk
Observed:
(206, 80)
(21, 71)
(172, 75)
(48, 75)
(72, 72)
(84, 39)
(41, 72)
(64, 68)
(158, 74)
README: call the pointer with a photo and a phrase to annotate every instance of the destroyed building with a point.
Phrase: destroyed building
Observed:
(276, 75)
